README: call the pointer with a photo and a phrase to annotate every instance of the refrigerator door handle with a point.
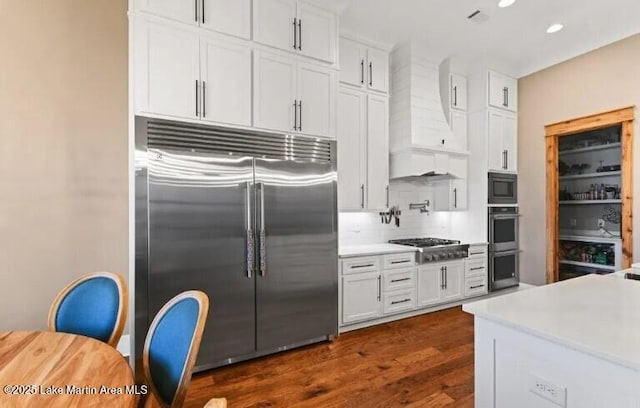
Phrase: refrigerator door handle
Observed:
(263, 235)
(250, 243)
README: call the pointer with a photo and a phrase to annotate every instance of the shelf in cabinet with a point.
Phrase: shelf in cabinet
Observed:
(591, 148)
(588, 265)
(589, 238)
(583, 202)
(590, 175)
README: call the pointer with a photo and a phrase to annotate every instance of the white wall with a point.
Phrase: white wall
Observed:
(366, 228)
(596, 82)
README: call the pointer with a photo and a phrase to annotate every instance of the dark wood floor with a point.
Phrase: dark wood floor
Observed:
(425, 361)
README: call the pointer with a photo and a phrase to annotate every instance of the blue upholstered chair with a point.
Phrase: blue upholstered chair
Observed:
(94, 305)
(172, 345)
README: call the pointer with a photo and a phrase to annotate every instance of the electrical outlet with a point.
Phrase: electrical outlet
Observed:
(600, 223)
(552, 392)
(573, 222)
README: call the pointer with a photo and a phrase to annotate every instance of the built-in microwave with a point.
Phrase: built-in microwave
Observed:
(503, 188)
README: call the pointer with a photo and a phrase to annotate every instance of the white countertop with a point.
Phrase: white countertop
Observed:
(593, 314)
(373, 249)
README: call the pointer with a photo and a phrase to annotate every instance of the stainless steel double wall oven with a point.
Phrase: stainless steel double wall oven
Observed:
(248, 218)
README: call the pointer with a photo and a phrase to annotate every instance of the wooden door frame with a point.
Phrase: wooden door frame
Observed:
(553, 132)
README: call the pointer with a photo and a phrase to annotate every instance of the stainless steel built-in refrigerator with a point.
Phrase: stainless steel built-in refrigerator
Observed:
(248, 218)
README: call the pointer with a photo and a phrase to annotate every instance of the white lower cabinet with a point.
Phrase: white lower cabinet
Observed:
(399, 301)
(361, 297)
(476, 273)
(440, 283)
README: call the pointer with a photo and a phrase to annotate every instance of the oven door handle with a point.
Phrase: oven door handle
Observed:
(505, 217)
(493, 254)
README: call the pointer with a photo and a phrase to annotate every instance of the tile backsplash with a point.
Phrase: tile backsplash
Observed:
(361, 228)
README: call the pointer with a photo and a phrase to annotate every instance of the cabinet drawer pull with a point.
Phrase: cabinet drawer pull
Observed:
(400, 301)
(476, 253)
(361, 266)
(478, 268)
(400, 262)
(477, 287)
(400, 280)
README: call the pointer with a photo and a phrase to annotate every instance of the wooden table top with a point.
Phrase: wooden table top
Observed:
(48, 369)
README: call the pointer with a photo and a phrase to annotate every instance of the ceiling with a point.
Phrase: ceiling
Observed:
(515, 35)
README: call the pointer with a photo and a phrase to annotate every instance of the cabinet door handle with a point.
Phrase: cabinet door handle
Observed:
(370, 73)
(362, 196)
(442, 277)
(446, 277)
(505, 97)
(476, 287)
(204, 97)
(203, 1)
(295, 114)
(195, 9)
(362, 72)
(400, 280)
(455, 96)
(387, 196)
(455, 198)
(379, 288)
(400, 301)
(506, 159)
(197, 99)
(300, 114)
(295, 34)
(299, 34)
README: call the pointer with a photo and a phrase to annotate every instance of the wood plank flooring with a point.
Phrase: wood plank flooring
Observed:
(424, 361)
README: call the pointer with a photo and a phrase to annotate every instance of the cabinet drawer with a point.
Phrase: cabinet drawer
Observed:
(477, 251)
(399, 279)
(399, 301)
(475, 286)
(399, 260)
(363, 264)
(475, 267)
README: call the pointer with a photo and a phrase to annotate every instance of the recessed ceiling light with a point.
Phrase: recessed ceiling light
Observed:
(554, 28)
(506, 3)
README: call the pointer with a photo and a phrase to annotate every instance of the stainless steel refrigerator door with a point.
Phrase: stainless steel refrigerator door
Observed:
(296, 271)
(200, 214)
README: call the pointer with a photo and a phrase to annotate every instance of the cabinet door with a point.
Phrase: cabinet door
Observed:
(429, 284)
(377, 70)
(495, 143)
(273, 23)
(453, 277)
(458, 123)
(377, 153)
(274, 92)
(226, 81)
(316, 32)
(227, 16)
(503, 91)
(352, 133)
(166, 71)
(458, 92)
(317, 100)
(458, 194)
(353, 56)
(361, 297)
(510, 142)
(185, 11)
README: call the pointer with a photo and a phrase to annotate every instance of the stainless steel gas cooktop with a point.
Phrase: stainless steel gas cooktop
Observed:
(435, 249)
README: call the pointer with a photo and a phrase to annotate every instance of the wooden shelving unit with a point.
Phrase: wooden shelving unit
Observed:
(591, 148)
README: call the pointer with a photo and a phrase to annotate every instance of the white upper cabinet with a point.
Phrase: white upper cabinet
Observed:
(503, 92)
(352, 145)
(458, 92)
(166, 70)
(274, 98)
(316, 100)
(226, 81)
(275, 23)
(377, 152)
(458, 123)
(378, 70)
(316, 32)
(295, 26)
(363, 66)
(227, 16)
(353, 58)
(450, 195)
(502, 142)
(186, 11)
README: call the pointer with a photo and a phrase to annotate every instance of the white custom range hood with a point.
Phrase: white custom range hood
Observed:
(421, 141)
